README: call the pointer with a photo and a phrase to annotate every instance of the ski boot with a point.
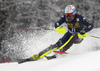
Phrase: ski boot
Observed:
(33, 58)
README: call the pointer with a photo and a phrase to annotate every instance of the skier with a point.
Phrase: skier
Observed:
(78, 26)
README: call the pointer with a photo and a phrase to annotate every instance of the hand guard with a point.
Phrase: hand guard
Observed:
(60, 29)
(82, 34)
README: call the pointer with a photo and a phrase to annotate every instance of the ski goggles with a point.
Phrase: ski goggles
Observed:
(69, 14)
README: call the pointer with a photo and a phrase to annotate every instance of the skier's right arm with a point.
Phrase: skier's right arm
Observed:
(60, 21)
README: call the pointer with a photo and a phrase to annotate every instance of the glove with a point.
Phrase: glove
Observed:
(82, 34)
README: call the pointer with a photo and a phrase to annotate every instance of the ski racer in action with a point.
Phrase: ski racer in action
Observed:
(78, 26)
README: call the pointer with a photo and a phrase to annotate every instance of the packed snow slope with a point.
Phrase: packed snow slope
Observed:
(81, 57)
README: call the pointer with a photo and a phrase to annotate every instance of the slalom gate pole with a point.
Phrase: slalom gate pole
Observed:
(5, 59)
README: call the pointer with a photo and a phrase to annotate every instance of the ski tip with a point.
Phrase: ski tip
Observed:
(20, 61)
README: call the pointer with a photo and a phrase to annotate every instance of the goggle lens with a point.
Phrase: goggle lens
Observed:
(69, 14)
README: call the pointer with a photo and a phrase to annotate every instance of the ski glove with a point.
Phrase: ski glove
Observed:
(82, 34)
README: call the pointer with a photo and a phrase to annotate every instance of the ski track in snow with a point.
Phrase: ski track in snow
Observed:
(82, 57)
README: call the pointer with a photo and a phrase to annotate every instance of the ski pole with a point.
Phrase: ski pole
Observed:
(95, 36)
(92, 36)
(60, 29)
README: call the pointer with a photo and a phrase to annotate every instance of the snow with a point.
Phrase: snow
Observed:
(82, 57)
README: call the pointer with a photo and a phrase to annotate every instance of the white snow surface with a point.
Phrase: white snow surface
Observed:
(81, 57)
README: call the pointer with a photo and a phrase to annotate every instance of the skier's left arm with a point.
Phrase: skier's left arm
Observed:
(89, 27)
(88, 24)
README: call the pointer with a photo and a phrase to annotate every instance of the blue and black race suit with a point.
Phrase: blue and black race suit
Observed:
(75, 26)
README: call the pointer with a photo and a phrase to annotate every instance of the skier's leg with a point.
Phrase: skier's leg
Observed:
(40, 55)
(72, 39)
(63, 44)
(68, 43)
(55, 46)
(48, 50)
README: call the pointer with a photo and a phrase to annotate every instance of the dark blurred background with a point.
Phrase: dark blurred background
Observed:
(29, 14)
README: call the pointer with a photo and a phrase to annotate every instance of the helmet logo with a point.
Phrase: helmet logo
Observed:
(70, 7)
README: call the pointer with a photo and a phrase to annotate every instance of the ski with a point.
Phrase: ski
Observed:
(24, 60)
(47, 57)
(21, 61)
(50, 57)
